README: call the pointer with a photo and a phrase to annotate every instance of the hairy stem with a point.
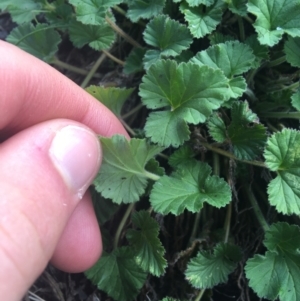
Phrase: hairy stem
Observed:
(113, 58)
(259, 215)
(122, 224)
(200, 295)
(230, 155)
(241, 29)
(227, 222)
(151, 176)
(279, 115)
(134, 110)
(93, 70)
(277, 62)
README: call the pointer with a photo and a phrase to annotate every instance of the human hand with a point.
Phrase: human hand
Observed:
(48, 157)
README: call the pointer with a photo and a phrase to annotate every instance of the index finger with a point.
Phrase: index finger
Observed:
(32, 91)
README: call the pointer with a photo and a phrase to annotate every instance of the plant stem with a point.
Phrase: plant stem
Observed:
(241, 29)
(216, 164)
(122, 33)
(200, 295)
(230, 155)
(256, 209)
(195, 227)
(122, 224)
(279, 115)
(57, 62)
(93, 70)
(227, 222)
(135, 109)
(277, 62)
(113, 58)
(151, 176)
(127, 127)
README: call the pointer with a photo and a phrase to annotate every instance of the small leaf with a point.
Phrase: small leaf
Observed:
(148, 250)
(207, 270)
(183, 155)
(282, 155)
(292, 51)
(134, 62)
(296, 100)
(92, 12)
(112, 97)
(247, 139)
(39, 41)
(144, 9)
(122, 176)
(118, 275)
(217, 128)
(189, 188)
(276, 274)
(274, 18)
(203, 20)
(98, 37)
(188, 91)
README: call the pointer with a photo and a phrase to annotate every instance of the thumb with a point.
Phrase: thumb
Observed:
(45, 170)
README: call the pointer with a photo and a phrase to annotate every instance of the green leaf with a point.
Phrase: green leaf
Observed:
(21, 11)
(168, 35)
(145, 9)
(189, 188)
(149, 252)
(217, 128)
(217, 38)
(207, 269)
(238, 7)
(39, 41)
(189, 93)
(282, 155)
(92, 12)
(233, 58)
(198, 2)
(98, 37)
(183, 155)
(122, 176)
(274, 18)
(203, 20)
(247, 136)
(296, 100)
(118, 275)
(292, 51)
(276, 274)
(260, 51)
(112, 97)
(134, 62)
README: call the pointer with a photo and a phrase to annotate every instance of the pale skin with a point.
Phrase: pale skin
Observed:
(42, 217)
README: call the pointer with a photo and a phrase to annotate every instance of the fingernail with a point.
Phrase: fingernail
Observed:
(76, 154)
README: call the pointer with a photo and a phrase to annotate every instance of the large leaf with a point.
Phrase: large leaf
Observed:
(144, 9)
(202, 19)
(189, 188)
(276, 274)
(233, 57)
(282, 155)
(98, 37)
(209, 269)
(111, 97)
(40, 41)
(188, 91)
(118, 275)
(122, 176)
(92, 12)
(274, 18)
(149, 252)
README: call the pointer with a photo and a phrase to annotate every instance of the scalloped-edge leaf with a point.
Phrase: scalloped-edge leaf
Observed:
(209, 269)
(145, 243)
(282, 154)
(188, 188)
(292, 51)
(112, 97)
(122, 176)
(118, 275)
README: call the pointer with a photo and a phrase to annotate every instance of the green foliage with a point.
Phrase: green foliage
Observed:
(276, 274)
(188, 188)
(209, 269)
(211, 91)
